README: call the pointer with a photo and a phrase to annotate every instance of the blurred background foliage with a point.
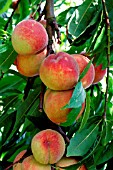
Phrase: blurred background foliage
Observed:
(83, 28)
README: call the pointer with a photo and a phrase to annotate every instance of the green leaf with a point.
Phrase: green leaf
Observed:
(23, 109)
(89, 31)
(10, 83)
(32, 112)
(64, 16)
(24, 9)
(7, 58)
(85, 70)
(106, 154)
(3, 48)
(4, 5)
(86, 112)
(78, 97)
(71, 117)
(81, 18)
(82, 141)
(8, 128)
(107, 132)
(101, 41)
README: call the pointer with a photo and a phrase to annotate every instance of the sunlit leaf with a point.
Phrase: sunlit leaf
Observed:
(78, 97)
(4, 5)
(82, 141)
(71, 117)
(7, 58)
(81, 18)
(86, 112)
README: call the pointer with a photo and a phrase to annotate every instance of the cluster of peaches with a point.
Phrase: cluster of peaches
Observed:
(60, 73)
(48, 149)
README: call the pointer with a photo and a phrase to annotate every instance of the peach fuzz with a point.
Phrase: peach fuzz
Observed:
(28, 65)
(67, 161)
(48, 146)
(29, 163)
(17, 166)
(99, 73)
(54, 102)
(59, 71)
(82, 61)
(29, 37)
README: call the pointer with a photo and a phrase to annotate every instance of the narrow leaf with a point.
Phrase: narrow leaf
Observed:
(81, 18)
(86, 113)
(7, 58)
(78, 97)
(71, 117)
(85, 70)
(82, 141)
(106, 155)
(4, 5)
(22, 110)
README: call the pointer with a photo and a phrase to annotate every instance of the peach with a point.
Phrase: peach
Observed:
(29, 37)
(59, 71)
(28, 65)
(30, 163)
(67, 161)
(99, 73)
(53, 103)
(17, 166)
(82, 61)
(48, 146)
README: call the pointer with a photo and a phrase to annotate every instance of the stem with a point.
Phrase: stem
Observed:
(52, 25)
(29, 85)
(41, 96)
(108, 55)
(50, 17)
(6, 26)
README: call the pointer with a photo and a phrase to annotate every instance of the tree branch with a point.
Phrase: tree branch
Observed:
(52, 25)
(108, 54)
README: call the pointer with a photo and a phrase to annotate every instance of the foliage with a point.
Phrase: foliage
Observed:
(83, 27)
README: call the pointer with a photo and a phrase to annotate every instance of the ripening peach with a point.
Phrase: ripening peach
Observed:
(54, 102)
(28, 65)
(29, 163)
(82, 61)
(48, 146)
(99, 73)
(17, 166)
(67, 161)
(59, 71)
(29, 37)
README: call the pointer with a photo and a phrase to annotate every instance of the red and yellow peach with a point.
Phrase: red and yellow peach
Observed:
(54, 102)
(48, 146)
(59, 71)
(29, 37)
(82, 61)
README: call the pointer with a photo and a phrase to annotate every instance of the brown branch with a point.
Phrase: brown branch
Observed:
(41, 97)
(28, 86)
(52, 25)
(108, 54)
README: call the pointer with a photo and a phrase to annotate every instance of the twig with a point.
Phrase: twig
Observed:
(6, 26)
(29, 85)
(41, 96)
(108, 54)
(52, 25)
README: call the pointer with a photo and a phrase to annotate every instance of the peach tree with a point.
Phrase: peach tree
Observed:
(46, 64)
